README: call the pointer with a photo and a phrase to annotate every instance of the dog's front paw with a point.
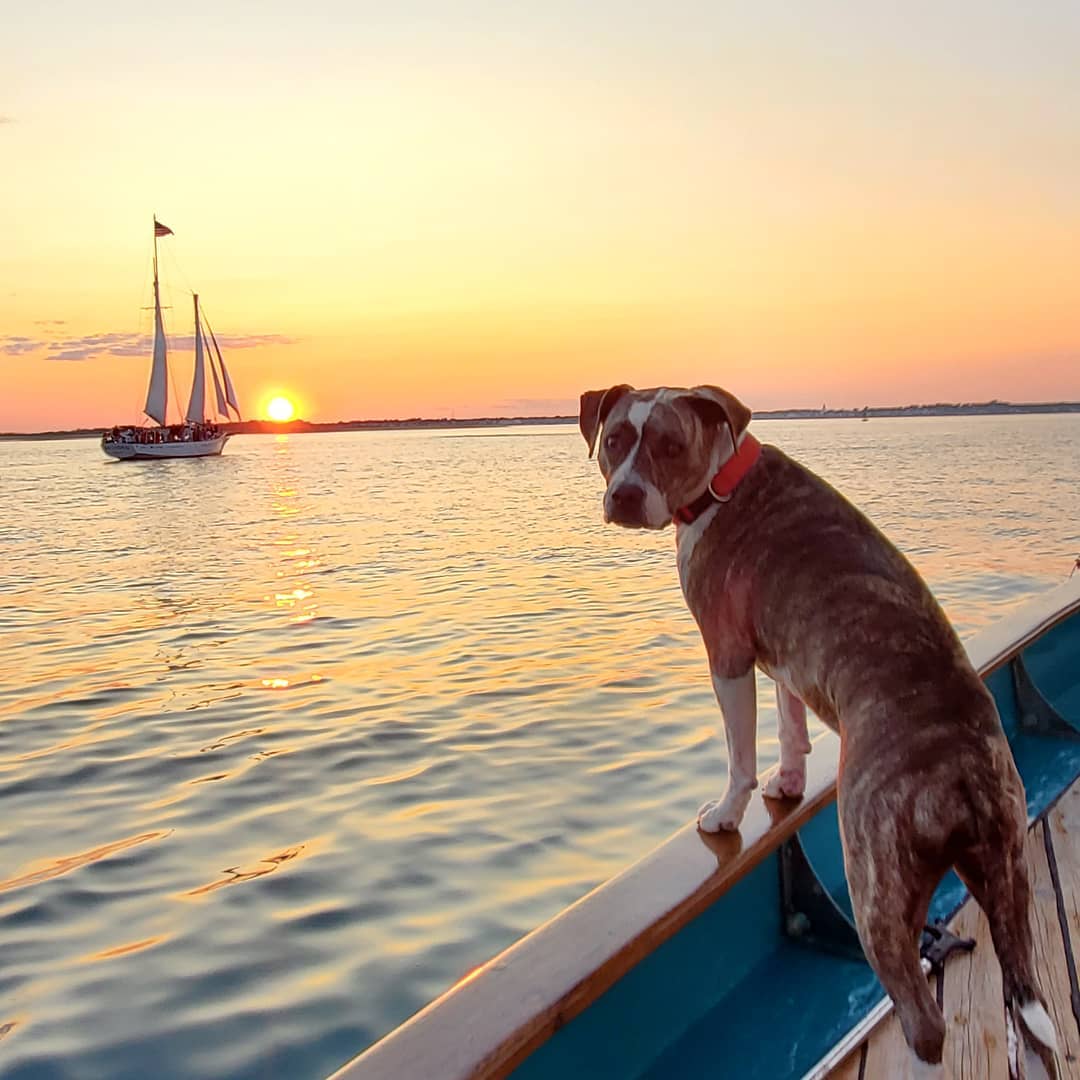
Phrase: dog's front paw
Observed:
(723, 815)
(785, 784)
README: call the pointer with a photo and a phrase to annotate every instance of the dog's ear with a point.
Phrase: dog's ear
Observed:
(594, 409)
(716, 406)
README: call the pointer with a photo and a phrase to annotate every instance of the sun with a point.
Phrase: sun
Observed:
(280, 409)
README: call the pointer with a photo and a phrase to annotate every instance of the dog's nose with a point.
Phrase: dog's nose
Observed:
(627, 503)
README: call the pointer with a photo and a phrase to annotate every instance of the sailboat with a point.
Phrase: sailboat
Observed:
(197, 435)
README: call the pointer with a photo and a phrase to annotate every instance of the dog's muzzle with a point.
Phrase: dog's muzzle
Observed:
(625, 505)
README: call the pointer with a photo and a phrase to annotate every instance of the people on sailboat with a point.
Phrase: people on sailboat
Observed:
(188, 432)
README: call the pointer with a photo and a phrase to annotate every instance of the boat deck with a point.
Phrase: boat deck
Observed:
(970, 991)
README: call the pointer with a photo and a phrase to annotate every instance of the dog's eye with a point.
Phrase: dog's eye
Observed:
(611, 440)
(671, 448)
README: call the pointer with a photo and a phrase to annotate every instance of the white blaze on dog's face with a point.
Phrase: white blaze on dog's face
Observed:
(659, 448)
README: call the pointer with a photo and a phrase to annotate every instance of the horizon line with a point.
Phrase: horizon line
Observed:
(298, 424)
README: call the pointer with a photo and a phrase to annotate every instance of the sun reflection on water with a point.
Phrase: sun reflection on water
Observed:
(286, 503)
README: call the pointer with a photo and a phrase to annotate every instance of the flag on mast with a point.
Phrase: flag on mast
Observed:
(161, 230)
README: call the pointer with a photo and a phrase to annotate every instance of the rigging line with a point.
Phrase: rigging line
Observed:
(170, 348)
(206, 319)
(1063, 919)
(174, 345)
(139, 306)
(139, 333)
(176, 270)
(136, 409)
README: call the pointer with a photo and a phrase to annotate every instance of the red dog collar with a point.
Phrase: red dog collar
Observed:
(725, 481)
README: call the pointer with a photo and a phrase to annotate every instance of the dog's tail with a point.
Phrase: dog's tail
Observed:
(1032, 1041)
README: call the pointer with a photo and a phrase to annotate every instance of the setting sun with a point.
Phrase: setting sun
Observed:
(280, 409)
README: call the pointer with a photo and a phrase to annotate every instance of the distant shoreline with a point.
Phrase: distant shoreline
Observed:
(302, 427)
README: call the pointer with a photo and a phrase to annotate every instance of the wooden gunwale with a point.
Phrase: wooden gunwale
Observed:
(490, 1021)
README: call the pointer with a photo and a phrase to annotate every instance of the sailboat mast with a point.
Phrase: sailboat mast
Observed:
(157, 394)
(157, 297)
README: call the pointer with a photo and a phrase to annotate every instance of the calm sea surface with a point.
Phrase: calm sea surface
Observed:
(293, 738)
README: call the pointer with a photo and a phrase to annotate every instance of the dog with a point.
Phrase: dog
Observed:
(782, 573)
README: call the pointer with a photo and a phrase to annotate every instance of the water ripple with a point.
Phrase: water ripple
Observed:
(57, 867)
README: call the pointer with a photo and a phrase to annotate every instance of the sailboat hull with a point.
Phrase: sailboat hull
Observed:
(132, 451)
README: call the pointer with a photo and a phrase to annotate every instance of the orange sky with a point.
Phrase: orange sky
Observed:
(403, 213)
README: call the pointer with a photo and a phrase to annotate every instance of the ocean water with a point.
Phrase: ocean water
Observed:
(292, 739)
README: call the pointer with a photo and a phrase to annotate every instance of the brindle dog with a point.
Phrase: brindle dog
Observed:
(782, 572)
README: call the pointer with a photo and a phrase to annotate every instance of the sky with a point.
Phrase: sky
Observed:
(469, 209)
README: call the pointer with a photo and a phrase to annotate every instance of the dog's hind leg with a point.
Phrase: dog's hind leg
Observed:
(997, 876)
(890, 920)
(891, 889)
(789, 781)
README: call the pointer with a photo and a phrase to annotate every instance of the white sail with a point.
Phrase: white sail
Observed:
(230, 393)
(157, 394)
(196, 410)
(222, 404)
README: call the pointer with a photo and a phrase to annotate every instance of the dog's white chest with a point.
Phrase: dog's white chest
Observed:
(686, 540)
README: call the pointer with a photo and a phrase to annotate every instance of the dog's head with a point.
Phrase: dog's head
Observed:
(660, 448)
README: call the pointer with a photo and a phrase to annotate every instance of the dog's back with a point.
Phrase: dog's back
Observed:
(803, 568)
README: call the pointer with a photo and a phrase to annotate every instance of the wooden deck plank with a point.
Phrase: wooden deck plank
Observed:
(973, 1004)
(1050, 963)
(887, 1053)
(1064, 827)
(852, 1067)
